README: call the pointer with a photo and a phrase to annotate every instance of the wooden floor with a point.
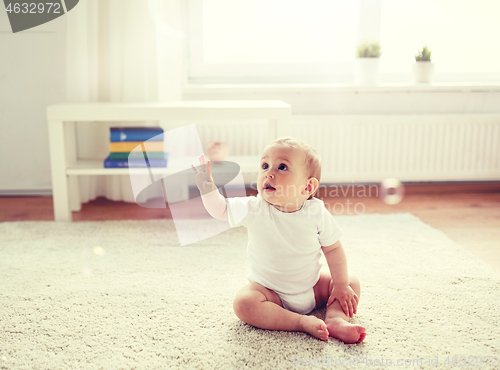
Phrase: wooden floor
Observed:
(468, 213)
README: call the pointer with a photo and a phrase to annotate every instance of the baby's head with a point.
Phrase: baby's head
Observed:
(290, 171)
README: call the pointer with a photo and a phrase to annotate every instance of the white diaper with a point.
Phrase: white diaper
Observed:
(302, 303)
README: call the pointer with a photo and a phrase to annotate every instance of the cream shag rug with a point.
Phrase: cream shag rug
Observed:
(122, 295)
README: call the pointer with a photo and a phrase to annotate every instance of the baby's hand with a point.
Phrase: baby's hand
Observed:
(204, 180)
(347, 298)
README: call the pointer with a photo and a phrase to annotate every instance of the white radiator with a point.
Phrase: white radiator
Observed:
(370, 148)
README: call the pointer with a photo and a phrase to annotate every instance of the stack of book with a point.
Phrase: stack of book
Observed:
(136, 147)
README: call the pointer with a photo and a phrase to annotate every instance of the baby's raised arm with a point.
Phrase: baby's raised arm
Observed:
(213, 201)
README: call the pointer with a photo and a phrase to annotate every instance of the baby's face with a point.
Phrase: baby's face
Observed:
(282, 179)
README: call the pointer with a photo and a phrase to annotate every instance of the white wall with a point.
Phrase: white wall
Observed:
(32, 76)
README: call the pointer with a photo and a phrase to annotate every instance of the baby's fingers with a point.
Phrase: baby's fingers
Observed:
(194, 169)
(345, 308)
(209, 169)
(330, 300)
(351, 308)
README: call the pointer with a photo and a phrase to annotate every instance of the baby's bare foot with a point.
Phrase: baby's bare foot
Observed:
(314, 326)
(345, 331)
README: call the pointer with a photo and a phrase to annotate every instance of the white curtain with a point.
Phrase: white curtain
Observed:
(120, 51)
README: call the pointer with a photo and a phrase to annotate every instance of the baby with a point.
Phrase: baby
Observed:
(287, 231)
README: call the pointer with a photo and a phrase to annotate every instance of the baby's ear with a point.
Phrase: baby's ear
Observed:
(312, 185)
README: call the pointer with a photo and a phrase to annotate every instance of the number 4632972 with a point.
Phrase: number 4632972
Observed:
(33, 8)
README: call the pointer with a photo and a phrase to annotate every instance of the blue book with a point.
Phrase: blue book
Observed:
(118, 134)
(136, 163)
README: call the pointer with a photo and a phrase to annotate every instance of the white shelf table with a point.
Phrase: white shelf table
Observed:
(62, 117)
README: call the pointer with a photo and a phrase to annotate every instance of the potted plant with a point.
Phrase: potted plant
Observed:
(366, 64)
(423, 69)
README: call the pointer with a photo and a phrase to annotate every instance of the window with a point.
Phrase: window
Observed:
(240, 41)
(264, 40)
(462, 35)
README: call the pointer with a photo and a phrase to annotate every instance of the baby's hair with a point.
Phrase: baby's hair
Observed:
(313, 160)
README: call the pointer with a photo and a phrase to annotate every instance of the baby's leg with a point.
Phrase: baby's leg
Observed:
(261, 307)
(336, 320)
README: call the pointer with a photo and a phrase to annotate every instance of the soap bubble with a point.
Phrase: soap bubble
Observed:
(391, 191)
(99, 251)
(91, 260)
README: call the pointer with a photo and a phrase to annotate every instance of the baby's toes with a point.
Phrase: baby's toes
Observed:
(314, 326)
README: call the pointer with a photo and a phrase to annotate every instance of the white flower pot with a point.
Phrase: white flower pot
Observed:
(423, 72)
(366, 71)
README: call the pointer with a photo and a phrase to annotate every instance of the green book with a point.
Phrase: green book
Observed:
(137, 155)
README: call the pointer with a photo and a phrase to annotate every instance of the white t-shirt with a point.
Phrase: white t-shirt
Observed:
(284, 249)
